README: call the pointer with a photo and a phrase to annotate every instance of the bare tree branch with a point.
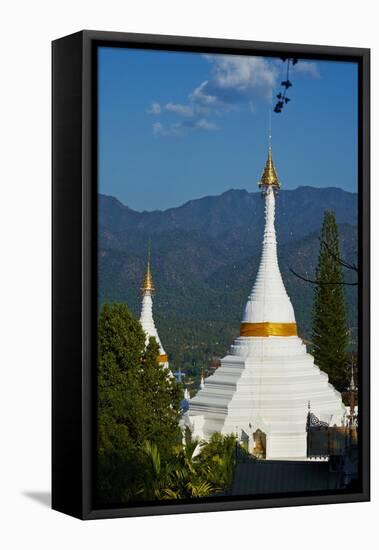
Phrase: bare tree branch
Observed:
(336, 258)
(315, 282)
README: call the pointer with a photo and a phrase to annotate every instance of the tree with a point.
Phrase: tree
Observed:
(338, 260)
(182, 477)
(136, 402)
(162, 397)
(330, 331)
(140, 455)
(219, 454)
(189, 474)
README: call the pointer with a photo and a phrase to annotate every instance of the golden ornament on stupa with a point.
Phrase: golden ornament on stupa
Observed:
(269, 176)
(148, 283)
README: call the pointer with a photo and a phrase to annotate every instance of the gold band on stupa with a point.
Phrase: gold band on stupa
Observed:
(162, 358)
(268, 329)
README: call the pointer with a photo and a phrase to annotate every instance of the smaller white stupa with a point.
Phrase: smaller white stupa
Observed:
(147, 320)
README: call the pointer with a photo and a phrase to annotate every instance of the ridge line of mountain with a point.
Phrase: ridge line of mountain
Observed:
(228, 191)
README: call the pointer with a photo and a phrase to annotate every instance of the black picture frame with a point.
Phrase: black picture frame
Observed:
(74, 295)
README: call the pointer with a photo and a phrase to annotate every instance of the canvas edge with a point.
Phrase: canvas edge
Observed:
(88, 173)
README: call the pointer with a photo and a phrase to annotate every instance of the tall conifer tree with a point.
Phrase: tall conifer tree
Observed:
(330, 330)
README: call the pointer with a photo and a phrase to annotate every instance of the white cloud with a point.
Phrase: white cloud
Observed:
(236, 79)
(235, 82)
(177, 108)
(199, 95)
(180, 128)
(184, 110)
(204, 124)
(155, 109)
(307, 67)
(158, 128)
(165, 130)
(244, 73)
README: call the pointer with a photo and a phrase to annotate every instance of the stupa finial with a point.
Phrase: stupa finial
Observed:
(269, 176)
(148, 283)
(269, 129)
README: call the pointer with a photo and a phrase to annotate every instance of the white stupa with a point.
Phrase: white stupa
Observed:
(265, 382)
(147, 320)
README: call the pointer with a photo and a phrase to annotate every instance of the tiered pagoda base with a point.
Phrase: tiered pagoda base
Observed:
(262, 389)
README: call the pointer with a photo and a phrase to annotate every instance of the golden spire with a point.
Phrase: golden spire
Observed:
(148, 284)
(269, 175)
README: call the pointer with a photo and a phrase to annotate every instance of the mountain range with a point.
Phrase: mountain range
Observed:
(205, 255)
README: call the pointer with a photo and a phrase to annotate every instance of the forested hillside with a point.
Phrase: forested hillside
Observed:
(205, 255)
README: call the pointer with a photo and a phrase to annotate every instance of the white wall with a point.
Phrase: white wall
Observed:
(26, 31)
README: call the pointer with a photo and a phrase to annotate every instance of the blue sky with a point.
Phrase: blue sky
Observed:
(176, 126)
